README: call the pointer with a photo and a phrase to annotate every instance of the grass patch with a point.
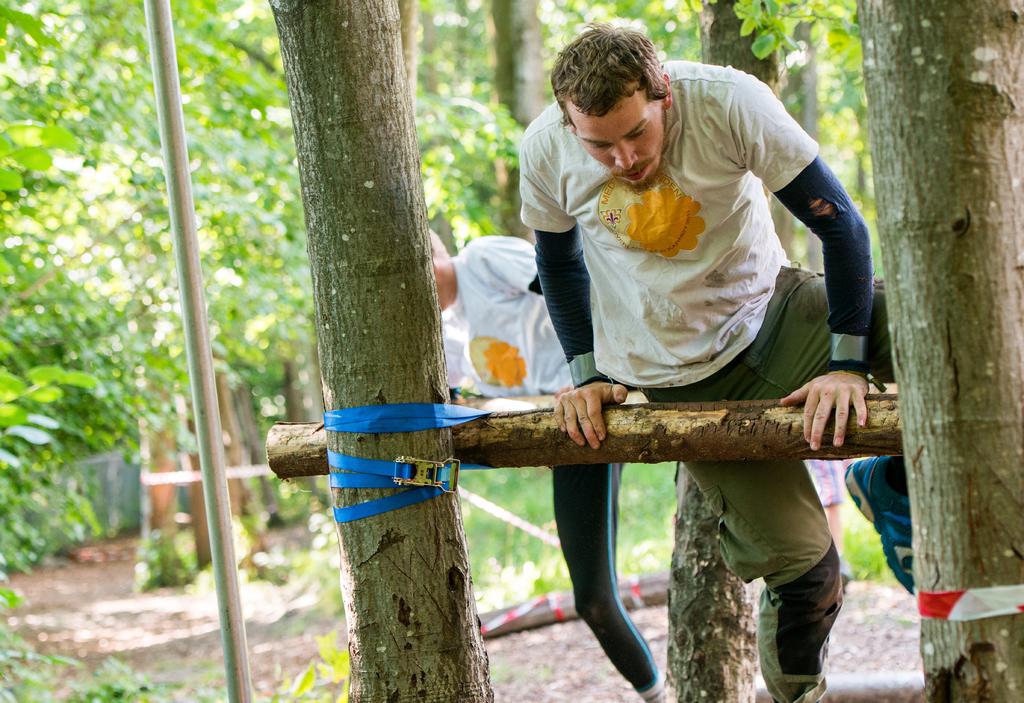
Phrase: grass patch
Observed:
(862, 547)
(510, 566)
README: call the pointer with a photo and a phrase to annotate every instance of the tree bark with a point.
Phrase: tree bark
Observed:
(303, 395)
(721, 614)
(946, 107)
(697, 641)
(412, 625)
(519, 72)
(809, 121)
(234, 444)
(196, 500)
(519, 83)
(255, 450)
(293, 396)
(158, 452)
(429, 46)
(409, 11)
(646, 433)
(721, 43)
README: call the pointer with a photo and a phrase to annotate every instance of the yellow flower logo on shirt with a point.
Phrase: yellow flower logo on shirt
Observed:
(498, 363)
(659, 219)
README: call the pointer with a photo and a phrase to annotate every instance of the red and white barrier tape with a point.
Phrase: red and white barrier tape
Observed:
(555, 603)
(972, 603)
(512, 519)
(635, 596)
(513, 614)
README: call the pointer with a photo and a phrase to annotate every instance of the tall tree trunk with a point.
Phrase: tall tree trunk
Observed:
(723, 615)
(809, 121)
(293, 400)
(303, 397)
(429, 46)
(255, 452)
(519, 83)
(699, 579)
(157, 449)
(722, 44)
(413, 630)
(196, 503)
(946, 108)
(234, 444)
(519, 71)
(409, 11)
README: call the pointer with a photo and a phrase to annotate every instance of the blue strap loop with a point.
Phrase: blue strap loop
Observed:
(429, 478)
(399, 417)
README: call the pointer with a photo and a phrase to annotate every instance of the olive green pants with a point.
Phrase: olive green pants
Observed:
(771, 523)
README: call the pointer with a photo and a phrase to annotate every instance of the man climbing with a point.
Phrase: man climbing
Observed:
(662, 271)
(491, 299)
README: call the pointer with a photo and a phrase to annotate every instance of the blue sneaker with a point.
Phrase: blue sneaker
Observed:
(888, 511)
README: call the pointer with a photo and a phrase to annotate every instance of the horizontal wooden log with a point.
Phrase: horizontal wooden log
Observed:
(645, 433)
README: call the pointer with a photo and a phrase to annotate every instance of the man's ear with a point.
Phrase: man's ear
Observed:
(668, 86)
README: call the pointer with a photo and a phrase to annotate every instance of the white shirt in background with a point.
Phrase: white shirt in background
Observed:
(498, 333)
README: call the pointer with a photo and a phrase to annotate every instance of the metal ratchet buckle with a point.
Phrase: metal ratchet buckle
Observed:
(428, 473)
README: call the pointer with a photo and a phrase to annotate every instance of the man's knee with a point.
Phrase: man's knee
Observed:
(596, 609)
(807, 610)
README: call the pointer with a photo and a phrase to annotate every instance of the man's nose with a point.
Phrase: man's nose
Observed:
(625, 157)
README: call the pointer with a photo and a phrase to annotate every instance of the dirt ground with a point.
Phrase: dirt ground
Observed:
(89, 611)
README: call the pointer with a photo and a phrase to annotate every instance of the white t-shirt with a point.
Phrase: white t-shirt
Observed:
(498, 332)
(681, 271)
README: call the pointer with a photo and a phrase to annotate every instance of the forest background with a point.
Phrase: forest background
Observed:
(91, 348)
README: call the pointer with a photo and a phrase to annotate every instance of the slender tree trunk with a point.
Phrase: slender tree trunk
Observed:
(721, 615)
(293, 400)
(255, 451)
(429, 46)
(519, 83)
(809, 121)
(722, 44)
(699, 579)
(946, 106)
(785, 227)
(196, 504)
(409, 11)
(157, 450)
(519, 72)
(234, 444)
(413, 630)
(303, 397)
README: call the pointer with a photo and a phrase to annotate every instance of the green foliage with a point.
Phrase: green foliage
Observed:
(116, 682)
(86, 264)
(862, 547)
(165, 560)
(29, 435)
(25, 675)
(324, 681)
(775, 22)
(460, 141)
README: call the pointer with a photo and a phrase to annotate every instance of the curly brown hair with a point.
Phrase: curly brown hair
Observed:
(603, 65)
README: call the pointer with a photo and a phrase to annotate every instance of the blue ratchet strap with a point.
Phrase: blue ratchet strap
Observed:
(428, 478)
(400, 417)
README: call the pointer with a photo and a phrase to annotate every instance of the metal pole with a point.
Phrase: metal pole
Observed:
(200, 358)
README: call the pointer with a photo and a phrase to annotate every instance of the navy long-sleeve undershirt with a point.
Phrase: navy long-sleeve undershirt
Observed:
(815, 197)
